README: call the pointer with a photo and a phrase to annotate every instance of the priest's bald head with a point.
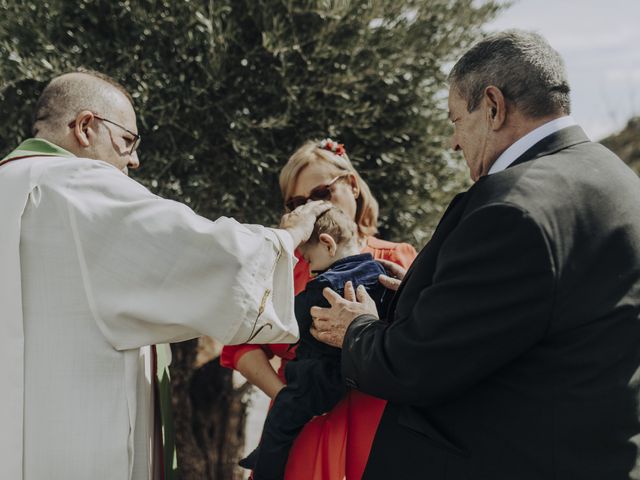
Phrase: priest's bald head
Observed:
(90, 115)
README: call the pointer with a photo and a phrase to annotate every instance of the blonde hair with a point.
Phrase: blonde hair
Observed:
(366, 204)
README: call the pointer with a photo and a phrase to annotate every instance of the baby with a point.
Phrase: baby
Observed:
(314, 383)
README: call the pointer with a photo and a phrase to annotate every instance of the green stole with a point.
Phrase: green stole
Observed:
(163, 396)
(36, 147)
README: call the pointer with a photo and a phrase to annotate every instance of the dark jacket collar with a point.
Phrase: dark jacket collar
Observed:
(565, 138)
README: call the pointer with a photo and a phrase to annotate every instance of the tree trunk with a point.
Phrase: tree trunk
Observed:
(209, 412)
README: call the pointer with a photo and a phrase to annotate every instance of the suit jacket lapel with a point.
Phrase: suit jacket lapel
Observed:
(447, 223)
(449, 219)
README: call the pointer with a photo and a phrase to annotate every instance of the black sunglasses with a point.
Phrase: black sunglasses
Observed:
(321, 192)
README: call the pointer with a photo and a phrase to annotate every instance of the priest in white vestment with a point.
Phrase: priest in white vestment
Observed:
(92, 268)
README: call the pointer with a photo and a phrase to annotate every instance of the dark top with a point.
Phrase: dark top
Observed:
(513, 350)
(360, 269)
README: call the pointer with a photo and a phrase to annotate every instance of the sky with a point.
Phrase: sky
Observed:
(600, 43)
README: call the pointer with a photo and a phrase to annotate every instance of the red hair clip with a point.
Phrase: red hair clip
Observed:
(332, 146)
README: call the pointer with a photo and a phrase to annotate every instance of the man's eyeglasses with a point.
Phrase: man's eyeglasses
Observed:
(135, 141)
(321, 192)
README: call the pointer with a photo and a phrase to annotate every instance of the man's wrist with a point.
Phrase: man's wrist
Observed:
(296, 236)
(363, 317)
(360, 319)
(348, 367)
(286, 239)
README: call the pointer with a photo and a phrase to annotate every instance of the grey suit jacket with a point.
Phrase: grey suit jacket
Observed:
(513, 346)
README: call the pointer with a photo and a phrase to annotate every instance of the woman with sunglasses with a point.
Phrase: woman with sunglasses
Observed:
(334, 446)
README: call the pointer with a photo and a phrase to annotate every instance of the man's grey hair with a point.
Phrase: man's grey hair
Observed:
(522, 65)
(68, 94)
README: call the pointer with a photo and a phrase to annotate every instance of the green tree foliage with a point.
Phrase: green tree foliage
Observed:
(226, 90)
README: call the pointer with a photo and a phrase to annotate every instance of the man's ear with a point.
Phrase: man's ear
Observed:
(495, 106)
(329, 243)
(84, 131)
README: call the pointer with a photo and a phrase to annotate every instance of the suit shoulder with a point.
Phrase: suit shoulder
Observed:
(547, 180)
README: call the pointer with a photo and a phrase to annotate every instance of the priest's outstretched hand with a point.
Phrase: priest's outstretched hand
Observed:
(299, 223)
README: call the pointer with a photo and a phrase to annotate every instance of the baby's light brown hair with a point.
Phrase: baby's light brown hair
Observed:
(336, 223)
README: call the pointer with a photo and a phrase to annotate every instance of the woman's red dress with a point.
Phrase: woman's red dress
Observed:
(336, 445)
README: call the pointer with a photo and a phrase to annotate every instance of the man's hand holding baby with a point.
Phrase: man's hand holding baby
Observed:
(330, 324)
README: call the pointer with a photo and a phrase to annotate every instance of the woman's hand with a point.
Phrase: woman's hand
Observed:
(330, 324)
(300, 222)
(395, 274)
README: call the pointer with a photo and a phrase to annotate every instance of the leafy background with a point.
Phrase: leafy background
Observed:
(225, 91)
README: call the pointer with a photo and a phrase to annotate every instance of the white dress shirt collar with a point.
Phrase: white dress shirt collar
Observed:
(512, 153)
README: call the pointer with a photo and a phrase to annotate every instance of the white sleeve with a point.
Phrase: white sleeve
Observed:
(156, 272)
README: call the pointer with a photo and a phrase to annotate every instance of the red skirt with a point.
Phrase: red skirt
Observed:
(336, 446)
